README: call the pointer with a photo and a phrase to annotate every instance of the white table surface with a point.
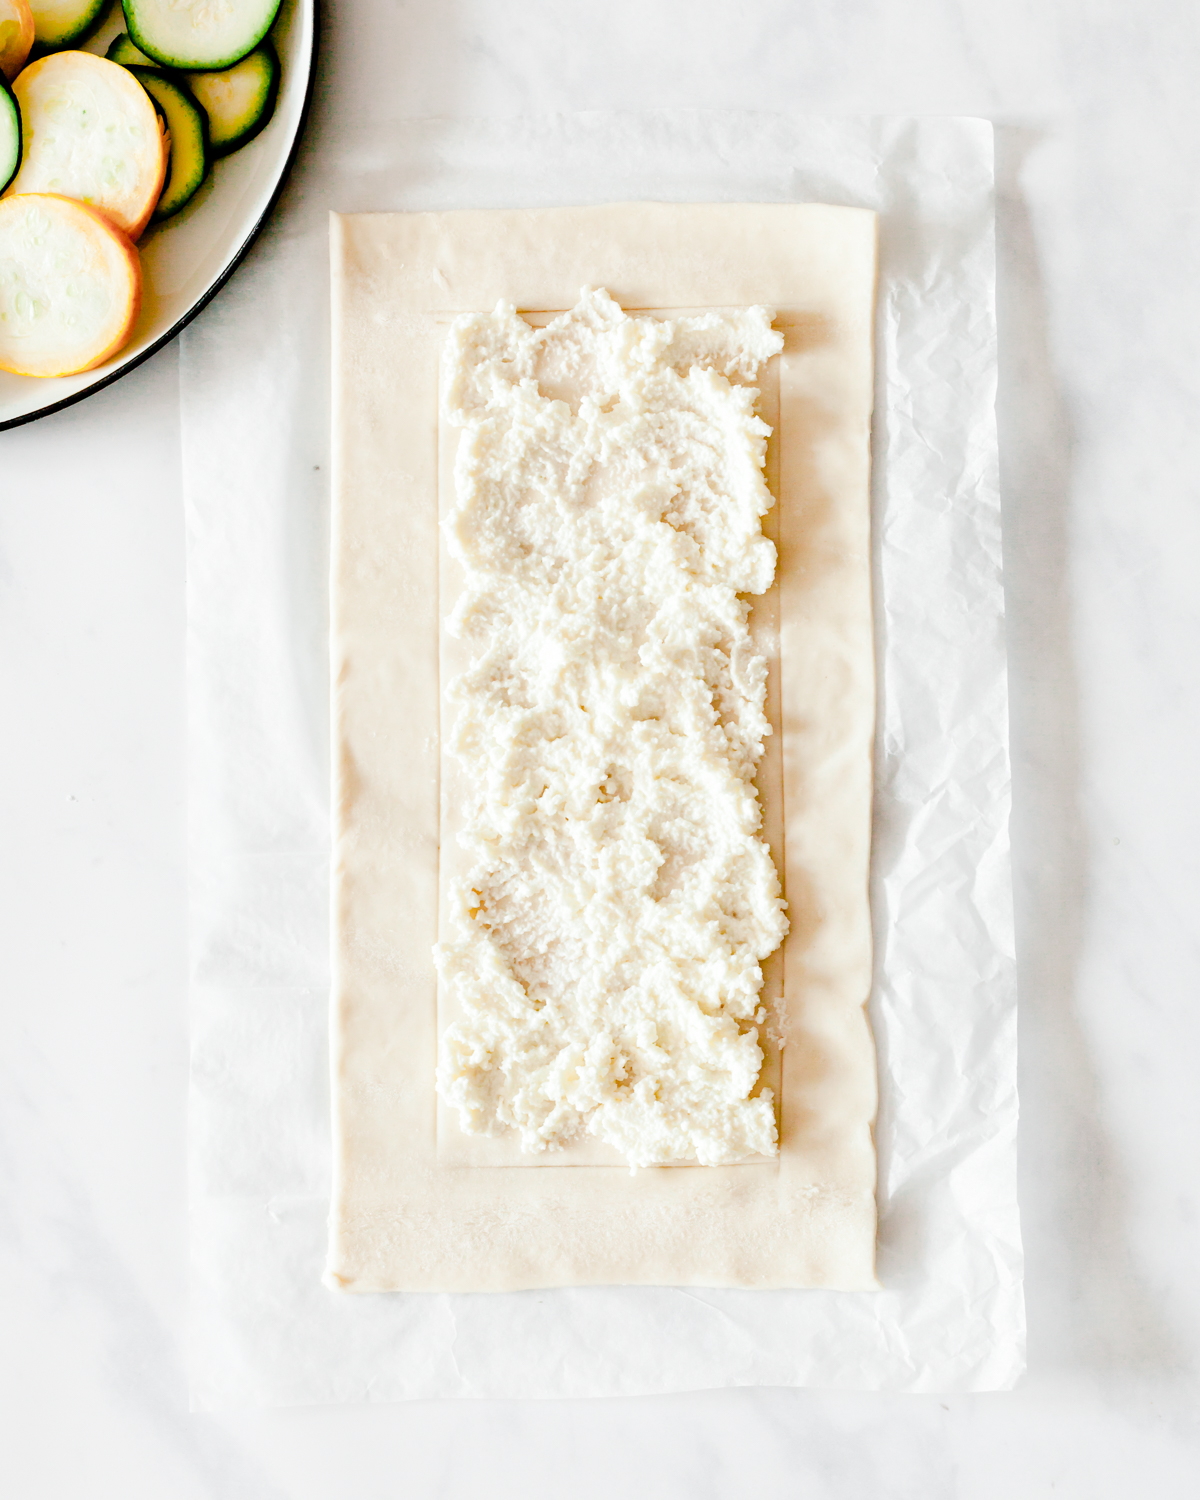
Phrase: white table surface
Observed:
(1099, 159)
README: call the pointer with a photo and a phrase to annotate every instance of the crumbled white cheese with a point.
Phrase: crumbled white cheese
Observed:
(605, 948)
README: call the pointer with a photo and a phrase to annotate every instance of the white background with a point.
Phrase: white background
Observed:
(1099, 157)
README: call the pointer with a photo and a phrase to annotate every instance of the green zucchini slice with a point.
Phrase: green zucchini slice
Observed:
(196, 34)
(187, 125)
(65, 23)
(239, 100)
(10, 135)
(121, 50)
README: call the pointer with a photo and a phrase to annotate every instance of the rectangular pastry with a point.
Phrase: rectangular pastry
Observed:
(574, 797)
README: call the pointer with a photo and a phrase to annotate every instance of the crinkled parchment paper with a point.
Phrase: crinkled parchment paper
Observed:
(255, 392)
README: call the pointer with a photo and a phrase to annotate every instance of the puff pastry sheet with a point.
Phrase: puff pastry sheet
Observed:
(406, 1216)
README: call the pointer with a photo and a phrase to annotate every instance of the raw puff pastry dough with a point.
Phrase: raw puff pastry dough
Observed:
(404, 1216)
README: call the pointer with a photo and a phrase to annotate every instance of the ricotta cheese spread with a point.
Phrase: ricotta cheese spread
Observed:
(603, 953)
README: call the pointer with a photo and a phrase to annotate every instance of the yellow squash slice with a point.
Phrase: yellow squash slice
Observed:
(70, 286)
(16, 36)
(92, 133)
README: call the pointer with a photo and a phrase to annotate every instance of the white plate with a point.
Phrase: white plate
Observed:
(187, 260)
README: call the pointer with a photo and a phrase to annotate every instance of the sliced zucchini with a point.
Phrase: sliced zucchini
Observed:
(10, 135)
(187, 125)
(71, 288)
(198, 34)
(65, 23)
(239, 100)
(16, 36)
(92, 133)
(121, 50)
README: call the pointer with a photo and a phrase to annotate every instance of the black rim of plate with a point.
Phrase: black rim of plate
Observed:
(239, 255)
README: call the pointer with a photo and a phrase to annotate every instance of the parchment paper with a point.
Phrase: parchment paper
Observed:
(255, 435)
